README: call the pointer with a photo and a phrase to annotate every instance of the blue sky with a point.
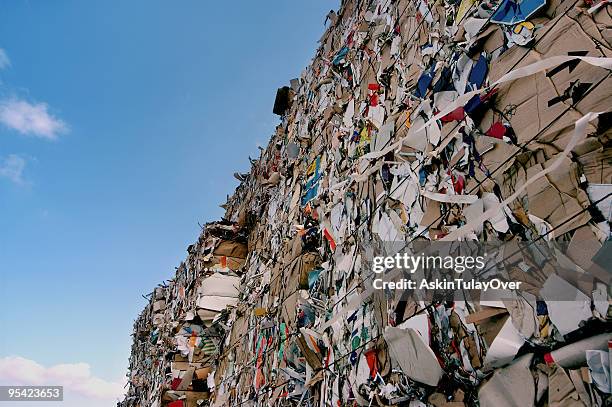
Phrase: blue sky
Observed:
(121, 124)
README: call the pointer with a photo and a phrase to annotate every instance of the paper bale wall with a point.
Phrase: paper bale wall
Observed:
(416, 120)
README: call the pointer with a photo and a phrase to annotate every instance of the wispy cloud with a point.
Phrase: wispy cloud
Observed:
(31, 119)
(12, 168)
(75, 377)
(5, 62)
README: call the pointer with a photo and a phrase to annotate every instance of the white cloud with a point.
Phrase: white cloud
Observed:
(31, 119)
(12, 168)
(5, 62)
(75, 377)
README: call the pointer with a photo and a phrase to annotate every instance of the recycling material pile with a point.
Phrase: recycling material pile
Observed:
(416, 122)
(177, 336)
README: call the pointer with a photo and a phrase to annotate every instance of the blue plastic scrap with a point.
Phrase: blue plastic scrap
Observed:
(512, 12)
